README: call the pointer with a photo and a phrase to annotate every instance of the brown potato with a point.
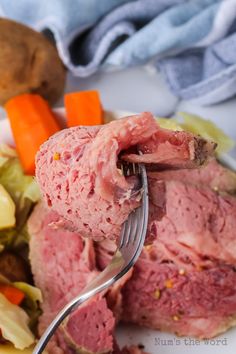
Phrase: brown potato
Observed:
(29, 63)
(13, 267)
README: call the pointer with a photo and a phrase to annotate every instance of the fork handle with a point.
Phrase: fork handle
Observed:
(110, 275)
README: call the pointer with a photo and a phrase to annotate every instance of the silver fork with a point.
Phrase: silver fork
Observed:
(130, 246)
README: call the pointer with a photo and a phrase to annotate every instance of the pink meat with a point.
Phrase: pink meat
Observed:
(194, 303)
(168, 149)
(212, 175)
(184, 281)
(62, 264)
(90, 329)
(190, 223)
(199, 225)
(78, 175)
(114, 296)
(104, 251)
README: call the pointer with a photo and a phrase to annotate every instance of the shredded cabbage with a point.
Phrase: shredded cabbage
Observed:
(33, 297)
(7, 151)
(23, 190)
(9, 349)
(201, 126)
(15, 238)
(171, 124)
(207, 130)
(30, 291)
(14, 324)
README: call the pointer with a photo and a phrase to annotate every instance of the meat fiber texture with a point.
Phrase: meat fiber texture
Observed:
(62, 264)
(214, 176)
(185, 282)
(79, 177)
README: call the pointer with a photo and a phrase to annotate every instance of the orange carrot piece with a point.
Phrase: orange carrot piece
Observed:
(83, 108)
(14, 295)
(32, 123)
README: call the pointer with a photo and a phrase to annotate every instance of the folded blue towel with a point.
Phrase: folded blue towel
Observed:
(205, 76)
(190, 41)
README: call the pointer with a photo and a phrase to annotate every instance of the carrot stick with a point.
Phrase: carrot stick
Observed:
(83, 108)
(14, 295)
(32, 123)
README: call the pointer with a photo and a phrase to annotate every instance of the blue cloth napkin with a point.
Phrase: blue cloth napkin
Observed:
(190, 41)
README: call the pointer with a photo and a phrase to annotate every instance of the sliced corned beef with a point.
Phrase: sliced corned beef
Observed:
(90, 328)
(199, 225)
(184, 281)
(78, 175)
(62, 264)
(186, 290)
(212, 175)
(104, 251)
(167, 149)
(192, 224)
(114, 296)
(191, 303)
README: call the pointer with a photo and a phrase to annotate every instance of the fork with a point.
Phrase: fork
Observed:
(130, 245)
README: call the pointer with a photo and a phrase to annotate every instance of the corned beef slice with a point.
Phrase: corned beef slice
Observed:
(185, 281)
(62, 264)
(78, 175)
(199, 225)
(196, 303)
(213, 176)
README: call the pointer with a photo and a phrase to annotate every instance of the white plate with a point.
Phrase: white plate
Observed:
(6, 134)
(154, 341)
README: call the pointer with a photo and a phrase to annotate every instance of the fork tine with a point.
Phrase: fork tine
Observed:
(134, 233)
(140, 214)
(123, 232)
(134, 228)
(129, 169)
(128, 229)
(140, 225)
(134, 244)
(129, 232)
